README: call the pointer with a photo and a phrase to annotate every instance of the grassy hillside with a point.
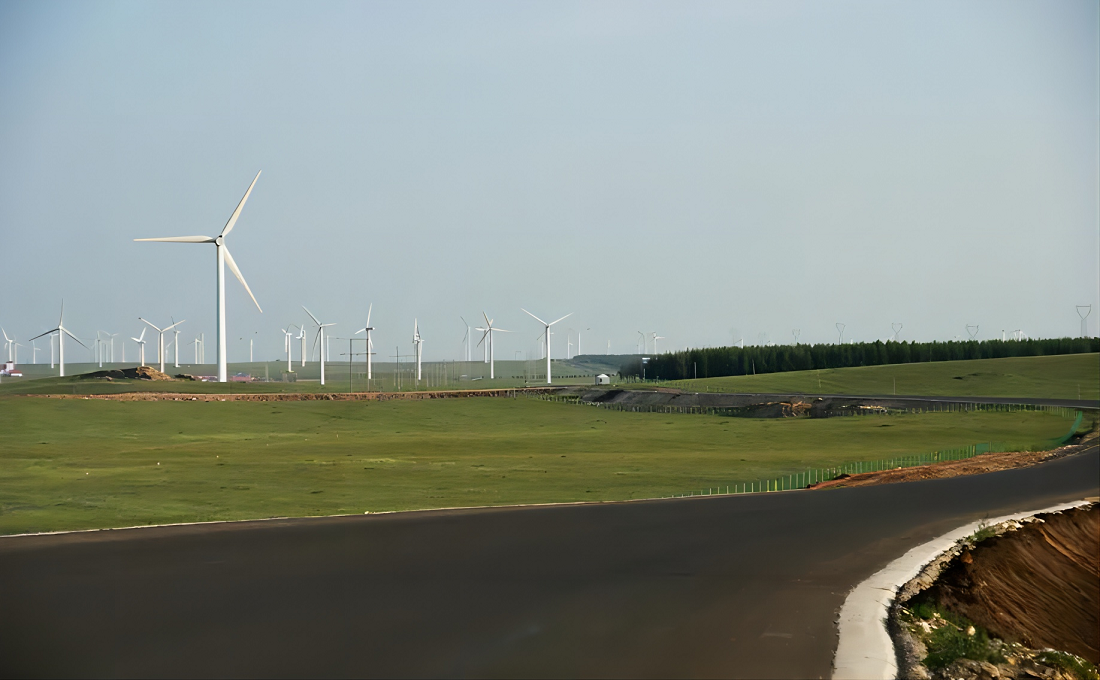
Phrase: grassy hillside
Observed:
(1071, 376)
(71, 464)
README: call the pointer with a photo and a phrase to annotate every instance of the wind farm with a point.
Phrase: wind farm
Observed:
(789, 304)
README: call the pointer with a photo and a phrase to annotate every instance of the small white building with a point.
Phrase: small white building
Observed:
(603, 379)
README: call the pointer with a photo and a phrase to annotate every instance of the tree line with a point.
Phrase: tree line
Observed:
(713, 362)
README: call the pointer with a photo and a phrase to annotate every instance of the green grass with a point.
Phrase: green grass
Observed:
(76, 464)
(1072, 376)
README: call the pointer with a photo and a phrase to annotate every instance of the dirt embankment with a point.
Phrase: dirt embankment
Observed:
(136, 373)
(1038, 586)
(1019, 599)
(335, 396)
(986, 462)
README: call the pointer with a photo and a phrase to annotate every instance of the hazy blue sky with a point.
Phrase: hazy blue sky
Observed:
(706, 171)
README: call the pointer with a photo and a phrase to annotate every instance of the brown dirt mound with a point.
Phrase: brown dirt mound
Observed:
(1038, 586)
(136, 373)
(986, 462)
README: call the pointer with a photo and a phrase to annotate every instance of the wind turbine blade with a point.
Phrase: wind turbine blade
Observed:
(534, 317)
(154, 327)
(237, 213)
(315, 321)
(168, 328)
(66, 331)
(142, 334)
(368, 313)
(49, 332)
(237, 272)
(561, 319)
(61, 319)
(483, 336)
(501, 330)
(487, 322)
(5, 334)
(180, 239)
(316, 339)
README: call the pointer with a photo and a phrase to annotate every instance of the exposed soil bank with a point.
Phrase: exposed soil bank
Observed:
(1038, 586)
(301, 396)
(986, 462)
(1004, 599)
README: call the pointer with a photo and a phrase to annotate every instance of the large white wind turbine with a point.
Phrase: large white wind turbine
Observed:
(223, 258)
(417, 343)
(140, 340)
(160, 344)
(487, 332)
(546, 327)
(61, 333)
(320, 338)
(370, 344)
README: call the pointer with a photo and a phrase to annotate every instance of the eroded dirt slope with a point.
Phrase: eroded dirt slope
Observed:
(1039, 585)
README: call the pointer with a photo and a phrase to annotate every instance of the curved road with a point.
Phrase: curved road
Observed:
(725, 586)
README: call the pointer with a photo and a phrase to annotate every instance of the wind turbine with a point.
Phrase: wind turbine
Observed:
(61, 333)
(160, 345)
(287, 335)
(546, 332)
(320, 338)
(223, 257)
(302, 337)
(466, 338)
(370, 344)
(176, 342)
(417, 344)
(655, 339)
(10, 342)
(140, 340)
(488, 333)
(34, 352)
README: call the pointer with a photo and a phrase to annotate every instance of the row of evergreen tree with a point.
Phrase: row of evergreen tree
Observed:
(712, 362)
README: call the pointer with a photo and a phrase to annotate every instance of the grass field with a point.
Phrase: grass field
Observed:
(1072, 376)
(74, 464)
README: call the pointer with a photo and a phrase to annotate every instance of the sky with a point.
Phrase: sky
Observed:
(709, 172)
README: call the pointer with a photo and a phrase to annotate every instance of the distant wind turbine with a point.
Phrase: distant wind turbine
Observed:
(546, 332)
(10, 342)
(160, 343)
(418, 343)
(487, 333)
(320, 339)
(370, 344)
(140, 340)
(224, 258)
(61, 333)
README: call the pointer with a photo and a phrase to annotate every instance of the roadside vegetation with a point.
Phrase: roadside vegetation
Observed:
(77, 464)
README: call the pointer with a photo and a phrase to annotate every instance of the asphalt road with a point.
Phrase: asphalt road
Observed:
(724, 586)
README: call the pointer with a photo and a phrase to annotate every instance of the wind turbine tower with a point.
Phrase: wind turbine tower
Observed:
(61, 333)
(546, 331)
(417, 345)
(488, 334)
(140, 340)
(320, 339)
(223, 258)
(160, 343)
(370, 344)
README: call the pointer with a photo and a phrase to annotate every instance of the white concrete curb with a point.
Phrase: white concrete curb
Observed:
(865, 650)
